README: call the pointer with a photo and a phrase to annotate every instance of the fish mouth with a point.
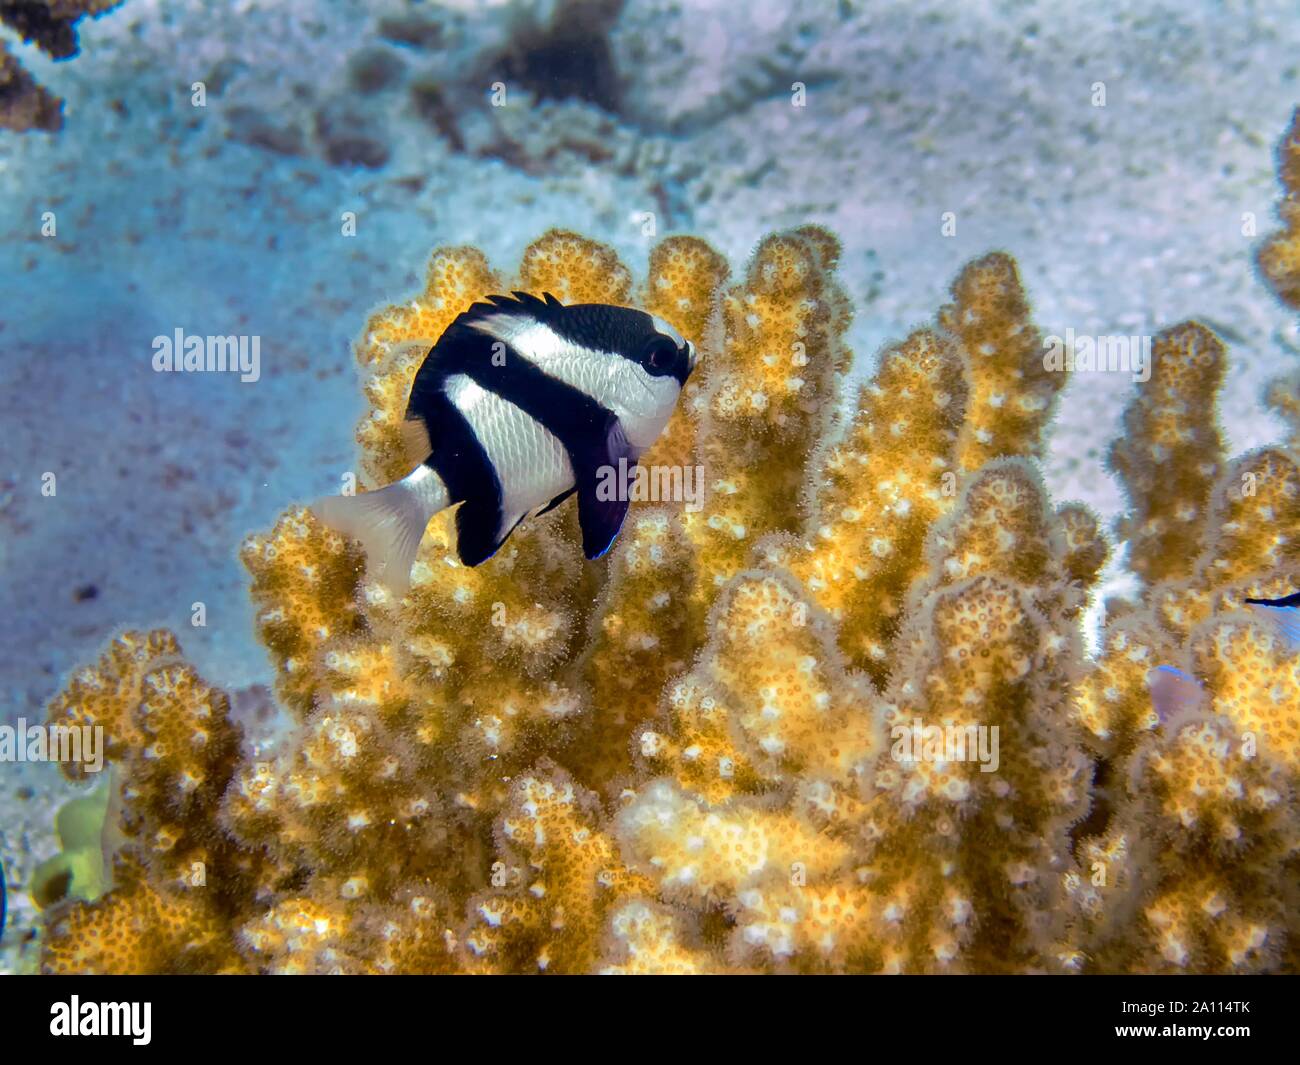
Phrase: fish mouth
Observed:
(692, 357)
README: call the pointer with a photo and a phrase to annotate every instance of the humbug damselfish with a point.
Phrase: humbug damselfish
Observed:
(522, 402)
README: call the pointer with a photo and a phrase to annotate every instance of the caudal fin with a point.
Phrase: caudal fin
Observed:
(389, 523)
(1284, 619)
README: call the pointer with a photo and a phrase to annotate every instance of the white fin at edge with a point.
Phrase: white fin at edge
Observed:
(390, 523)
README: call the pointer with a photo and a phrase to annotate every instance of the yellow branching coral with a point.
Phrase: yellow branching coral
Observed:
(136, 929)
(773, 670)
(1279, 256)
(562, 877)
(882, 487)
(107, 693)
(993, 662)
(1112, 704)
(646, 627)
(181, 874)
(1209, 793)
(685, 275)
(1224, 822)
(173, 735)
(1012, 392)
(645, 635)
(940, 405)
(646, 940)
(326, 933)
(1196, 869)
(833, 714)
(1170, 451)
(1248, 549)
(771, 398)
(1253, 674)
(305, 576)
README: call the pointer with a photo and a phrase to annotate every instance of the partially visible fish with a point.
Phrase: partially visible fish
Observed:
(1284, 615)
(1173, 692)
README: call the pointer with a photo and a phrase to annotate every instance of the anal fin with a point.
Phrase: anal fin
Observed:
(478, 531)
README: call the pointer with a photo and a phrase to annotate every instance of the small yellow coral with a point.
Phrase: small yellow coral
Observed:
(106, 695)
(883, 486)
(685, 276)
(770, 395)
(1169, 455)
(1279, 256)
(574, 270)
(1254, 675)
(304, 584)
(556, 880)
(1113, 702)
(698, 853)
(1222, 818)
(1012, 392)
(646, 940)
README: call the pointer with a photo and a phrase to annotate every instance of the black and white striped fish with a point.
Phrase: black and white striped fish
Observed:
(521, 403)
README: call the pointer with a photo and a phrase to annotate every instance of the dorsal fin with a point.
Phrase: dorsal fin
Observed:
(542, 308)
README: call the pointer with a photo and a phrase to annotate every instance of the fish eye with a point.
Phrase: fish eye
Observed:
(660, 354)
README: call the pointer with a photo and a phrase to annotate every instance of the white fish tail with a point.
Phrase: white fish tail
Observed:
(390, 523)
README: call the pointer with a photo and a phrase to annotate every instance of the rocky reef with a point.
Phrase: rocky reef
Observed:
(52, 26)
(685, 757)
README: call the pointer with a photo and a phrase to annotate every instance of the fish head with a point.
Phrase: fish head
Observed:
(631, 362)
(664, 352)
(654, 363)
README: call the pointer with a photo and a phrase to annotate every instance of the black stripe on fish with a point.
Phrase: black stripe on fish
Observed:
(589, 432)
(459, 459)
